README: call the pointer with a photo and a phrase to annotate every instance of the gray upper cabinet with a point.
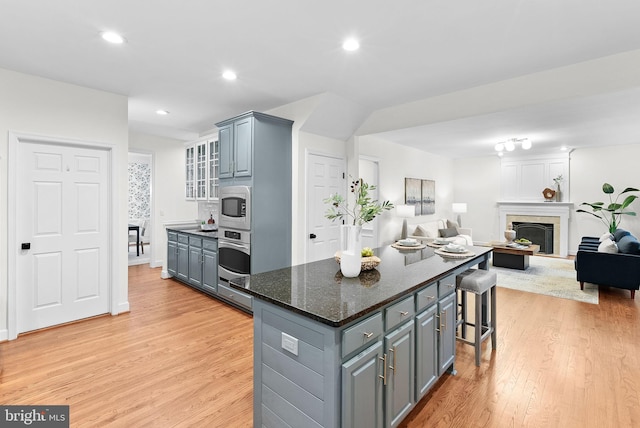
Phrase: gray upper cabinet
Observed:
(236, 148)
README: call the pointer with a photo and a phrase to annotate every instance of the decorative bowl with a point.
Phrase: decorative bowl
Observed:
(366, 263)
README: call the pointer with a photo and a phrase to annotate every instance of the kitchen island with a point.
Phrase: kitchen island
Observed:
(331, 351)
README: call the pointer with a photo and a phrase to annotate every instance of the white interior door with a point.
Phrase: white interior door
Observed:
(325, 176)
(62, 214)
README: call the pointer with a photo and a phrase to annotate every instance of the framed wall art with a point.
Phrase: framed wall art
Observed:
(413, 194)
(421, 195)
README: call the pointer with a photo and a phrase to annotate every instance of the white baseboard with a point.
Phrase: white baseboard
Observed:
(121, 308)
(164, 274)
(4, 335)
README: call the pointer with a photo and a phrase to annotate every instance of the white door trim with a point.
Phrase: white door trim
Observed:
(14, 140)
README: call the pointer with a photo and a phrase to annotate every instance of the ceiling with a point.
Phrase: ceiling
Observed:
(287, 50)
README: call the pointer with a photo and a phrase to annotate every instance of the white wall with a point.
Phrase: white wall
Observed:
(167, 188)
(33, 105)
(590, 168)
(479, 186)
(477, 182)
(397, 163)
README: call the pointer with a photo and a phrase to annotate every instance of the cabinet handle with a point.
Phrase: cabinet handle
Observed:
(439, 328)
(431, 297)
(451, 285)
(367, 335)
(383, 376)
(393, 367)
(404, 313)
(444, 315)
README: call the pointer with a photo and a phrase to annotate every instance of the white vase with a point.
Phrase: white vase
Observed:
(351, 247)
(510, 235)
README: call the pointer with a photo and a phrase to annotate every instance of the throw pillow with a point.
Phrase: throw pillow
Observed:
(419, 231)
(608, 246)
(619, 234)
(451, 223)
(629, 245)
(606, 236)
(448, 233)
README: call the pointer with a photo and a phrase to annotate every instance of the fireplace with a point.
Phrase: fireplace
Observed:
(538, 233)
(554, 213)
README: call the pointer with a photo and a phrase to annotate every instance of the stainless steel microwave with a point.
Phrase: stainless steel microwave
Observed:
(235, 207)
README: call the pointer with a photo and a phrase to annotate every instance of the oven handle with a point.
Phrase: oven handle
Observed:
(229, 244)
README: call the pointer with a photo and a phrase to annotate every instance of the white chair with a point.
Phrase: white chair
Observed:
(144, 235)
(133, 235)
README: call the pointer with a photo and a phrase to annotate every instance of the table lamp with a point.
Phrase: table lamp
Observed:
(405, 211)
(459, 208)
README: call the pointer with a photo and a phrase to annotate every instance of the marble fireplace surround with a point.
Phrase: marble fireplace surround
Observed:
(556, 213)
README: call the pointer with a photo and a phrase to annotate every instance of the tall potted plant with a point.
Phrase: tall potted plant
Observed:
(363, 211)
(611, 214)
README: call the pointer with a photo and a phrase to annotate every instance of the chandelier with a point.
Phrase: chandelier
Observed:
(510, 145)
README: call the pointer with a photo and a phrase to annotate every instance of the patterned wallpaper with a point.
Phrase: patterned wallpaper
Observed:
(139, 190)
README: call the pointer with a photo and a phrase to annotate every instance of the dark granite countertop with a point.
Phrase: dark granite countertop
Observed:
(207, 234)
(317, 290)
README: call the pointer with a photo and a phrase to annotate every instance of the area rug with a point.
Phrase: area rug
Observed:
(550, 276)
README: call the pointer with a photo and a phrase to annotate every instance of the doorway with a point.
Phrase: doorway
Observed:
(368, 170)
(140, 167)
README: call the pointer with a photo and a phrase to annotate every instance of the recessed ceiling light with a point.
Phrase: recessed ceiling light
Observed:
(162, 112)
(563, 148)
(229, 75)
(112, 37)
(351, 45)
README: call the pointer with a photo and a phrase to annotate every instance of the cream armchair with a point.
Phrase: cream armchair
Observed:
(442, 228)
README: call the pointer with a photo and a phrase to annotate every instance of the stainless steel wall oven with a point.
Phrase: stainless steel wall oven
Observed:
(234, 253)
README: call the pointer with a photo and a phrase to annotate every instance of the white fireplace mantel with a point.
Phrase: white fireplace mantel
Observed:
(562, 210)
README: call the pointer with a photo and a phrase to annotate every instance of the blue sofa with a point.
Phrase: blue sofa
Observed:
(621, 269)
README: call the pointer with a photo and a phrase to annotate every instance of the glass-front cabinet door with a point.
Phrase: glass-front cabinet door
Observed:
(213, 169)
(189, 192)
(202, 167)
(201, 171)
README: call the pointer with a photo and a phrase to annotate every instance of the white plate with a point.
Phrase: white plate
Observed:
(454, 249)
(408, 243)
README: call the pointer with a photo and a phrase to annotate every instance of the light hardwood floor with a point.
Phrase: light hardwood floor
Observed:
(182, 359)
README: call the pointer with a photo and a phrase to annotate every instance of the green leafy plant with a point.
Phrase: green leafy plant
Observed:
(364, 210)
(611, 215)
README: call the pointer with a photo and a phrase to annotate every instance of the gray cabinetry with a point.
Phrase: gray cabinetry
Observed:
(447, 337)
(236, 147)
(182, 270)
(172, 253)
(426, 351)
(399, 388)
(362, 389)
(210, 265)
(195, 261)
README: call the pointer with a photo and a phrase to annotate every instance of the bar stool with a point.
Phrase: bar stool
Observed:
(478, 282)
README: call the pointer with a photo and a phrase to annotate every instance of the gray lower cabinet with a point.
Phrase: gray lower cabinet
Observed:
(447, 337)
(193, 259)
(399, 388)
(362, 389)
(426, 351)
(172, 253)
(182, 270)
(210, 265)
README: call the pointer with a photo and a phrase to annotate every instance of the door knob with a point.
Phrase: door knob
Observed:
(312, 236)
(26, 245)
